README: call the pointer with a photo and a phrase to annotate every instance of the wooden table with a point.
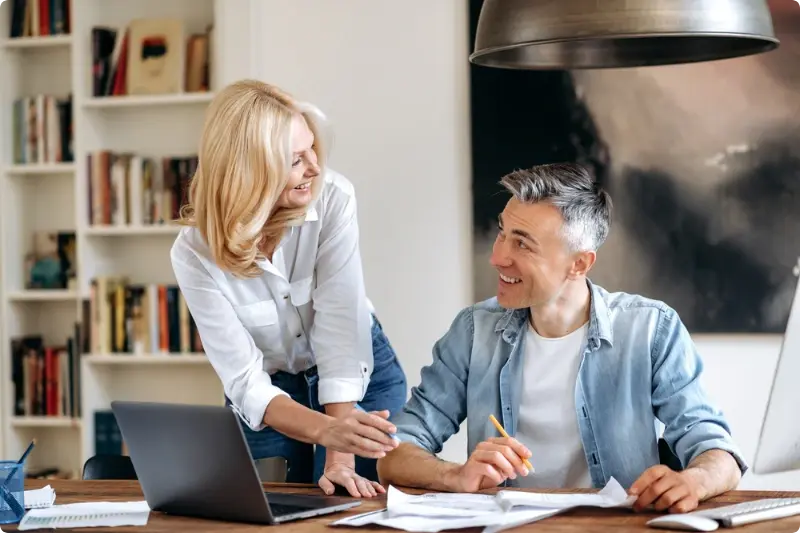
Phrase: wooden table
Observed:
(588, 519)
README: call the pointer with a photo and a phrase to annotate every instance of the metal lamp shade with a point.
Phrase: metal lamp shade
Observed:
(580, 34)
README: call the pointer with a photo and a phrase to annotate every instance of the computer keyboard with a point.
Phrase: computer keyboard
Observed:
(743, 513)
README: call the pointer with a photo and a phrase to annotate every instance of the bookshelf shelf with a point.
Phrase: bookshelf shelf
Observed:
(59, 169)
(104, 102)
(147, 359)
(45, 422)
(42, 295)
(47, 41)
(132, 231)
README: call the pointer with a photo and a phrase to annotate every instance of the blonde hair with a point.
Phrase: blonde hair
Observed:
(244, 160)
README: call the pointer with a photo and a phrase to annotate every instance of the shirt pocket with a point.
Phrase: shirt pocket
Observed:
(301, 291)
(261, 320)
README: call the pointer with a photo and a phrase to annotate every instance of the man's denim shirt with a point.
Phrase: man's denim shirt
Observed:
(639, 365)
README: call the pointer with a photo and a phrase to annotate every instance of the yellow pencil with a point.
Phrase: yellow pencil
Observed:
(504, 434)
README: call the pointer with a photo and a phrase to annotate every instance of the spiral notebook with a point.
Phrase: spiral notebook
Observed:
(86, 514)
(40, 498)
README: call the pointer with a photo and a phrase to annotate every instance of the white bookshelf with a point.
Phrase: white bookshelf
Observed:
(140, 102)
(46, 169)
(54, 197)
(169, 230)
(149, 359)
(51, 41)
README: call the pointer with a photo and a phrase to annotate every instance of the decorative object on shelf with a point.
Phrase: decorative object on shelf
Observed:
(585, 34)
(34, 18)
(50, 264)
(156, 56)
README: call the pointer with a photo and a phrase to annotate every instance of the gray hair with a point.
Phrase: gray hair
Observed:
(584, 206)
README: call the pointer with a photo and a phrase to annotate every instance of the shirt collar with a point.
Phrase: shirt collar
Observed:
(311, 216)
(599, 318)
(265, 264)
(513, 320)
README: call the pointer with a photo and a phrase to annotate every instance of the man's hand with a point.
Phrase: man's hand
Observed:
(662, 487)
(340, 470)
(492, 462)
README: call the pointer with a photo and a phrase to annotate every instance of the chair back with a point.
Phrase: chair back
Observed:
(109, 467)
(666, 457)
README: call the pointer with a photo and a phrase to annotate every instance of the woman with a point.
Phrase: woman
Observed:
(270, 269)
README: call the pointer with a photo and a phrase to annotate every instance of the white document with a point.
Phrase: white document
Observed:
(434, 512)
(39, 498)
(430, 524)
(444, 504)
(612, 495)
(87, 514)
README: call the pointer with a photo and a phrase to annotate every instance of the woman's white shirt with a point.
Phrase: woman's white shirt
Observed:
(308, 307)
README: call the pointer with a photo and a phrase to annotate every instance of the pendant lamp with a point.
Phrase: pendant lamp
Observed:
(583, 34)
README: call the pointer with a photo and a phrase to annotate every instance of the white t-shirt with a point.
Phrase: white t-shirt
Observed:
(548, 424)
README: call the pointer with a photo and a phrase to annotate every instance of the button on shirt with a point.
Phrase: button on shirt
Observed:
(308, 307)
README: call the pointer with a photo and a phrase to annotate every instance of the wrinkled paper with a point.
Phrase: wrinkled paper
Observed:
(434, 512)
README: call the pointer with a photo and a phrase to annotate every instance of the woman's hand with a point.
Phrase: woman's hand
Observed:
(340, 470)
(360, 433)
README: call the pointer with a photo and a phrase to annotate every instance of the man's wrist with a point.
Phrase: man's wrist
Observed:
(451, 476)
(700, 478)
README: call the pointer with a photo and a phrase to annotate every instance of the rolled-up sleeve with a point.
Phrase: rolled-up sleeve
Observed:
(228, 345)
(341, 336)
(438, 406)
(692, 423)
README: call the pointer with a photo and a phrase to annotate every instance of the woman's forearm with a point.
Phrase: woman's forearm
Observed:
(295, 420)
(338, 410)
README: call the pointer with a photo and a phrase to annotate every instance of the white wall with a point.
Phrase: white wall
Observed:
(739, 371)
(393, 78)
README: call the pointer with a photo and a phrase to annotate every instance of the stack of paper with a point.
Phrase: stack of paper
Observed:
(435, 512)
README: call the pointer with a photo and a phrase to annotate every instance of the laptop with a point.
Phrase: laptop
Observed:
(194, 461)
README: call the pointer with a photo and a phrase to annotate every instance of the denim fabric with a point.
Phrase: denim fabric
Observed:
(387, 390)
(638, 366)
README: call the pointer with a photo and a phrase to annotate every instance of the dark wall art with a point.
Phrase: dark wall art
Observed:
(702, 162)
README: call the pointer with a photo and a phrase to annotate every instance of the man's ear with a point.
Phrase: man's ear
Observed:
(582, 264)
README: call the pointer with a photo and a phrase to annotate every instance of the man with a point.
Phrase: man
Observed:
(579, 377)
